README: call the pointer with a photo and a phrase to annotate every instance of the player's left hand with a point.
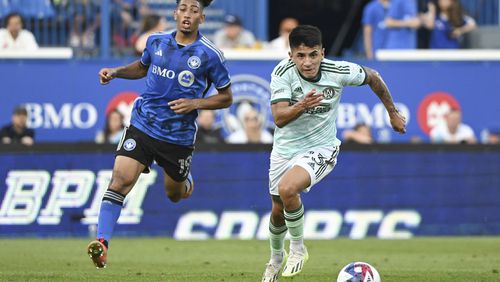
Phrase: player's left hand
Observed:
(183, 106)
(398, 122)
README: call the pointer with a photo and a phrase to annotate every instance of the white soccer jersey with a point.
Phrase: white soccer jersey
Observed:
(315, 127)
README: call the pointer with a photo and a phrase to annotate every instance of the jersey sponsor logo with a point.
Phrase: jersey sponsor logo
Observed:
(329, 93)
(249, 91)
(318, 224)
(36, 197)
(159, 53)
(124, 103)
(433, 109)
(129, 144)
(318, 110)
(194, 62)
(186, 78)
(278, 91)
(163, 72)
(323, 108)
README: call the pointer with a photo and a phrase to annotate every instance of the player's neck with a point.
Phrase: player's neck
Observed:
(185, 38)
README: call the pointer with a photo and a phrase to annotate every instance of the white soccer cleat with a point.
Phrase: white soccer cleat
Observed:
(273, 270)
(295, 263)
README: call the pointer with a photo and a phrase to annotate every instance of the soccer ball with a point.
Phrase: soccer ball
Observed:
(358, 272)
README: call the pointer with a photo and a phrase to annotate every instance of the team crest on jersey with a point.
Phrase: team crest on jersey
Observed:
(194, 62)
(186, 78)
(129, 144)
(329, 92)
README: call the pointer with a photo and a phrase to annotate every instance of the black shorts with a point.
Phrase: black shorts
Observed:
(174, 159)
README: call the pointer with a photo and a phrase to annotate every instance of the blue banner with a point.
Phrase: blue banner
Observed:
(66, 102)
(394, 195)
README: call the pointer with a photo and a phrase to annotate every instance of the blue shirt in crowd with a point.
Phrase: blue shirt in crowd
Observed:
(374, 15)
(176, 72)
(441, 34)
(402, 38)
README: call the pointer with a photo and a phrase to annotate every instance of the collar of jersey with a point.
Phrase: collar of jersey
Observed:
(173, 38)
(314, 80)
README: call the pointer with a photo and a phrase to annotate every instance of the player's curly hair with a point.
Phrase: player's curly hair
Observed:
(204, 3)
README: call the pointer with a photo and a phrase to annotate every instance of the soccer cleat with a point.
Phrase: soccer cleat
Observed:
(273, 270)
(98, 253)
(295, 263)
(189, 186)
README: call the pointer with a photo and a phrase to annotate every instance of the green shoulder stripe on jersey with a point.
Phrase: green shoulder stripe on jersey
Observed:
(279, 100)
(334, 66)
(281, 73)
(335, 71)
(283, 66)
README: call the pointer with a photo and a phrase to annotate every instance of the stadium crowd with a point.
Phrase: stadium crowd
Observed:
(386, 24)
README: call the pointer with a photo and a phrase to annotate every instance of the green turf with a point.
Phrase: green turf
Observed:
(426, 259)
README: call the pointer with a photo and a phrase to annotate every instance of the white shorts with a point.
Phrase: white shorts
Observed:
(318, 162)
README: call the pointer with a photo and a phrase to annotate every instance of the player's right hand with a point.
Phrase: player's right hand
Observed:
(311, 100)
(106, 75)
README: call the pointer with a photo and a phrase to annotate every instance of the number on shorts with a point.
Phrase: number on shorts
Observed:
(185, 165)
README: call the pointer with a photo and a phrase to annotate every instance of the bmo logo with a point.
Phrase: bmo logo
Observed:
(163, 72)
(67, 116)
(434, 108)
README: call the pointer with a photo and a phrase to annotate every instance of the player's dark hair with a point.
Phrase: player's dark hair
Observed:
(204, 3)
(12, 15)
(308, 35)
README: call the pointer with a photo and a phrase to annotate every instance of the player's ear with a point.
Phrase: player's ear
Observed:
(290, 54)
(322, 52)
(175, 14)
(202, 18)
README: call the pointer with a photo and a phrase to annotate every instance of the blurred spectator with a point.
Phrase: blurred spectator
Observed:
(415, 139)
(206, 131)
(402, 22)
(361, 134)
(150, 24)
(14, 37)
(124, 22)
(233, 35)
(113, 130)
(494, 137)
(83, 32)
(453, 131)
(447, 23)
(18, 132)
(491, 135)
(281, 43)
(252, 130)
(374, 30)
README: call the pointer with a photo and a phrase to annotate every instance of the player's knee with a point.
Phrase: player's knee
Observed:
(121, 182)
(174, 198)
(287, 191)
(173, 195)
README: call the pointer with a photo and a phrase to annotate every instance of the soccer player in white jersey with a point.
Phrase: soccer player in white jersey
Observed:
(306, 91)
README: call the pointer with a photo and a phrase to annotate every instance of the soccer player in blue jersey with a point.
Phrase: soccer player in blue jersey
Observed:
(179, 69)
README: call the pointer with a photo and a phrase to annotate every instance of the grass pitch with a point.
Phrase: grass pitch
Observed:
(158, 259)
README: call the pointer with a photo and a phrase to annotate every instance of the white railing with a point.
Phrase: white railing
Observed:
(40, 53)
(439, 55)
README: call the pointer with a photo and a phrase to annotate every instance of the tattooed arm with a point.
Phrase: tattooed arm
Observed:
(379, 87)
